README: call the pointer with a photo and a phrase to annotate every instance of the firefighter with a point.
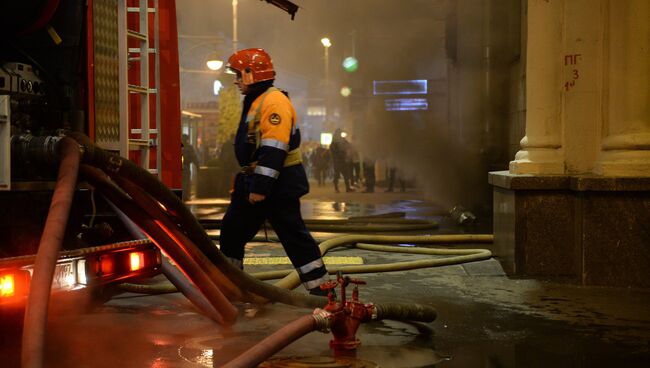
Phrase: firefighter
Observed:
(272, 178)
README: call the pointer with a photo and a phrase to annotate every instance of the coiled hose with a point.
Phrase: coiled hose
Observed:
(48, 253)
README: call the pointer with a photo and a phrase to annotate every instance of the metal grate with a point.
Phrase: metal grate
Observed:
(106, 70)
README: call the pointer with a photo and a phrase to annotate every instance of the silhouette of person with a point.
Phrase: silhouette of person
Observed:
(339, 154)
(189, 157)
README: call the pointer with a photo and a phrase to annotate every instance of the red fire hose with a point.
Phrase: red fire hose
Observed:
(48, 254)
(118, 167)
(148, 204)
(278, 340)
(154, 230)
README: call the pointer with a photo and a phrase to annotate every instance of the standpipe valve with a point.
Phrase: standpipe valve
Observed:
(346, 316)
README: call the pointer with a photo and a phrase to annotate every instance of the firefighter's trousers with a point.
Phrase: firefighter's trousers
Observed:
(243, 220)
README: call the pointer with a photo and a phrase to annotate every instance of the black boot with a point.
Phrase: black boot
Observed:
(320, 292)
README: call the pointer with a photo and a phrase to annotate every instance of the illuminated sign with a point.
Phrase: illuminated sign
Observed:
(400, 87)
(325, 139)
(316, 111)
(406, 104)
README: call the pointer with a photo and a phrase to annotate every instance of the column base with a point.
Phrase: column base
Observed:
(628, 163)
(541, 161)
(590, 230)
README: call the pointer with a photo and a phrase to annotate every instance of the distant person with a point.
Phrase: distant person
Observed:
(339, 154)
(272, 177)
(189, 157)
(354, 165)
(320, 161)
(395, 174)
(369, 174)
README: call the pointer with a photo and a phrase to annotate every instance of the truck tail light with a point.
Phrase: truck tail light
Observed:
(7, 285)
(136, 260)
(14, 284)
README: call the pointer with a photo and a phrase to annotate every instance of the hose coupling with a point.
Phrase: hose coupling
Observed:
(39, 150)
(322, 318)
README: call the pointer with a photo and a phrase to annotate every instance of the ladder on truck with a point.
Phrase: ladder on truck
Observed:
(134, 17)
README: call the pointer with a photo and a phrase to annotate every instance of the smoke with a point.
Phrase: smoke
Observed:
(447, 149)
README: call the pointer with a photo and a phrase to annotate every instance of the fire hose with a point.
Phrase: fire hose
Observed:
(341, 318)
(179, 217)
(47, 255)
(292, 280)
(171, 226)
(354, 241)
(365, 224)
(179, 281)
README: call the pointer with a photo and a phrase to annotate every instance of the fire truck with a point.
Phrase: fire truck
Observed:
(107, 69)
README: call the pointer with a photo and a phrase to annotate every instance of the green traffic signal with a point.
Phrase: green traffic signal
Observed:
(350, 64)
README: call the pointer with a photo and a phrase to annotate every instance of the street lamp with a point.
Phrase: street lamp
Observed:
(326, 45)
(214, 64)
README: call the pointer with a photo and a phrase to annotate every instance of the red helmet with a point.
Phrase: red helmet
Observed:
(254, 65)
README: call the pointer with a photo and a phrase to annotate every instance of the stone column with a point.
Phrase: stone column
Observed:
(626, 131)
(541, 149)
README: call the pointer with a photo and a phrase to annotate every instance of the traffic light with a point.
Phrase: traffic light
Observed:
(350, 64)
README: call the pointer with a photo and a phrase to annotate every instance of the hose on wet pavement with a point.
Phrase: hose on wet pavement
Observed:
(452, 257)
(469, 255)
(458, 256)
(320, 320)
(366, 224)
(277, 341)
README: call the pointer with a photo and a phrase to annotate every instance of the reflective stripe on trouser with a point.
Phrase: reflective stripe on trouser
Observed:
(306, 268)
(313, 274)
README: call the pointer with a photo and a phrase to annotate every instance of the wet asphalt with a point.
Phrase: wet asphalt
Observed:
(485, 317)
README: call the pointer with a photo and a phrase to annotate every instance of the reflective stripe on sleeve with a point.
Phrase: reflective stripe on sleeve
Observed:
(310, 266)
(267, 171)
(316, 283)
(275, 143)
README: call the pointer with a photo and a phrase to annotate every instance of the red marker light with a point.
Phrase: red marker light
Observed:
(137, 260)
(7, 285)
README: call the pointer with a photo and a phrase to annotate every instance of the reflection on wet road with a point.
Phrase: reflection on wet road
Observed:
(485, 318)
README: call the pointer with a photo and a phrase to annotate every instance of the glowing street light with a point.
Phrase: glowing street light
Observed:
(214, 64)
(326, 42)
